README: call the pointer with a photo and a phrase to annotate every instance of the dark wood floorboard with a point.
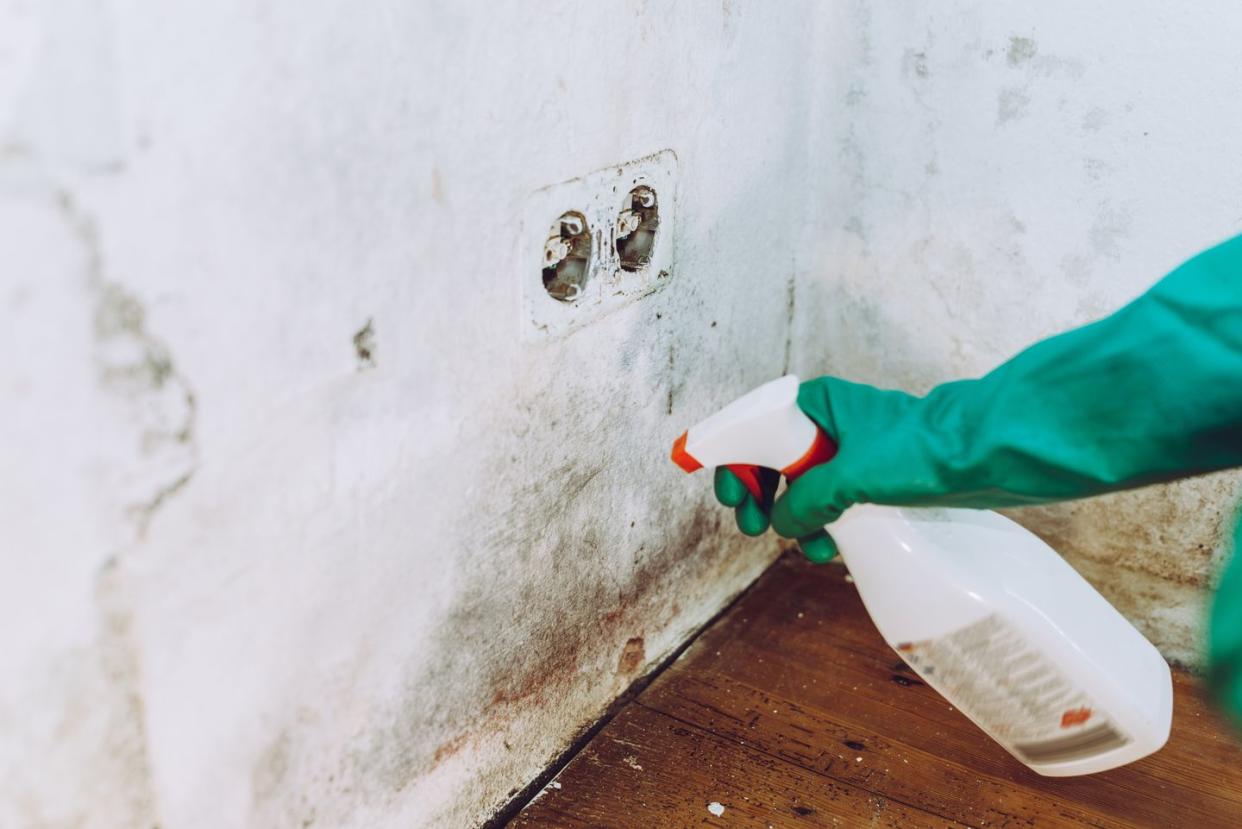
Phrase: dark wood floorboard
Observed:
(791, 711)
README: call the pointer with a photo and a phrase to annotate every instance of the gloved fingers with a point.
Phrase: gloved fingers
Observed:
(730, 490)
(751, 513)
(810, 502)
(751, 518)
(818, 547)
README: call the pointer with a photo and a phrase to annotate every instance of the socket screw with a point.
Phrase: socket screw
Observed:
(628, 222)
(555, 251)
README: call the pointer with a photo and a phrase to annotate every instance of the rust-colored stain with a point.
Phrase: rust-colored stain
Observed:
(539, 677)
(633, 655)
(450, 747)
(519, 655)
(558, 648)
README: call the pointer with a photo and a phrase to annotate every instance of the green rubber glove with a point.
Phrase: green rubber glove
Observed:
(1149, 394)
(752, 517)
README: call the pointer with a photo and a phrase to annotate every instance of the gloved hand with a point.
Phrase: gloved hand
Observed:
(1151, 393)
(862, 421)
(752, 516)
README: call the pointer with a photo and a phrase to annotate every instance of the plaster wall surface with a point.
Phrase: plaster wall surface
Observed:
(298, 530)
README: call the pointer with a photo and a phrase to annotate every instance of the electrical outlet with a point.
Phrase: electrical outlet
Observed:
(596, 243)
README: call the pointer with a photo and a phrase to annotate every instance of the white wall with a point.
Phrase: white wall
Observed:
(252, 579)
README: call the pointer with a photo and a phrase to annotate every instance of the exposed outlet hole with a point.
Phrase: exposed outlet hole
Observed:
(566, 257)
(636, 228)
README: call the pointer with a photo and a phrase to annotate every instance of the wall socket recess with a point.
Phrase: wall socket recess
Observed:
(596, 243)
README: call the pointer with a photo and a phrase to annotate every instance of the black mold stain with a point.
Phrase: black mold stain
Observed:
(364, 346)
(672, 362)
(551, 615)
(549, 647)
(915, 63)
(1021, 50)
(137, 367)
(803, 810)
(854, 744)
(790, 304)
(146, 510)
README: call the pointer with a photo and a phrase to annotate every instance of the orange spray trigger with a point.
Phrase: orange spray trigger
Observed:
(822, 450)
(749, 476)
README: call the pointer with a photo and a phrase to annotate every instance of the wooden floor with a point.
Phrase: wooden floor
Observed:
(791, 711)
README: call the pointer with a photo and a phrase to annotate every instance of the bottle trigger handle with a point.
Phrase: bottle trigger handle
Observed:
(749, 476)
(822, 450)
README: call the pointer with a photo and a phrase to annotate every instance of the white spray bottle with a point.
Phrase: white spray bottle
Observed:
(982, 609)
